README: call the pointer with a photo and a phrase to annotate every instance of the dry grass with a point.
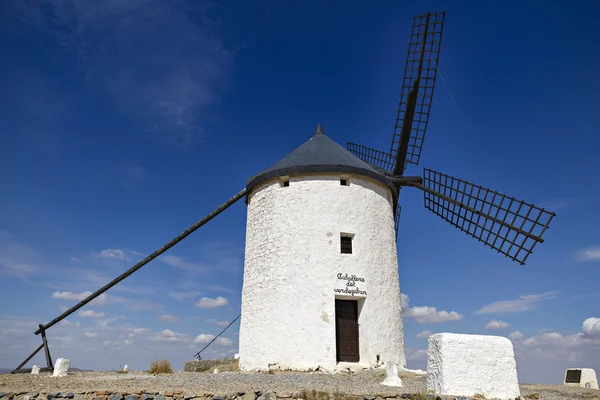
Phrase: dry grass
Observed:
(160, 367)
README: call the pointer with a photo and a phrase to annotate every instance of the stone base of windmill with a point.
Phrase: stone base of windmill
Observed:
(466, 365)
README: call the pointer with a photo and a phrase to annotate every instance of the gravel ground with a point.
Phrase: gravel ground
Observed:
(361, 383)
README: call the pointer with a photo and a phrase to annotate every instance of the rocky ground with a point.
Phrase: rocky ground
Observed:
(247, 386)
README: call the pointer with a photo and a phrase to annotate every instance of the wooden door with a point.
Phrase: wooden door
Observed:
(346, 330)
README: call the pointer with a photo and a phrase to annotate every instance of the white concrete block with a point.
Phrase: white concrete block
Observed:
(61, 367)
(584, 377)
(392, 378)
(126, 368)
(35, 370)
(465, 365)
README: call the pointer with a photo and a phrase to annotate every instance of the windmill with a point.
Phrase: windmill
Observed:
(510, 226)
(307, 192)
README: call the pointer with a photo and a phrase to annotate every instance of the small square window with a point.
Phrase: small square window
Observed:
(286, 183)
(346, 244)
(343, 182)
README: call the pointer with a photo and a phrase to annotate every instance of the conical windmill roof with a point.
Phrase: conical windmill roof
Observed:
(318, 154)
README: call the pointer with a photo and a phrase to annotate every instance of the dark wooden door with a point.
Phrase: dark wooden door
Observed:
(346, 330)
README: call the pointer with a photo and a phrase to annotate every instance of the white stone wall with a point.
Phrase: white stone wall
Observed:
(466, 365)
(292, 260)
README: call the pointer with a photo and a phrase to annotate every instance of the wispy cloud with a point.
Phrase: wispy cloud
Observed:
(162, 61)
(424, 334)
(495, 324)
(214, 321)
(169, 318)
(91, 314)
(75, 259)
(181, 263)
(65, 322)
(427, 314)
(191, 294)
(17, 259)
(523, 303)
(112, 254)
(591, 253)
(207, 302)
(98, 301)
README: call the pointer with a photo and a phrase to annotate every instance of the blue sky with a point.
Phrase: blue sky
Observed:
(124, 122)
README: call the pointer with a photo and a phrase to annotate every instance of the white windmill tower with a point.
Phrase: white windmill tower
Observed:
(321, 272)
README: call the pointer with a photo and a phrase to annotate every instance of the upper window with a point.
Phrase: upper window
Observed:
(345, 180)
(346, 244)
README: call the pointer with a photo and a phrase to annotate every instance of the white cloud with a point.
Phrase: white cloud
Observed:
(523, 303)
(98, 301)
(591, 328)
(65, 322)
(426, 314)
(63, 308)
(112, 254)
(214, 321)
(184, 295)
(91, 314)
(495, 324)
(75, 259)
(545, 356)
(203, 338)
(224, 341)
(169, 318)
(141, 331)
(207, 302)
(168, 335)
(424, 334)
(91, 335)
(516, 335)
(591, 253)
(416, 355)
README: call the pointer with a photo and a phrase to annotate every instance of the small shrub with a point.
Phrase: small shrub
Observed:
(160, 367)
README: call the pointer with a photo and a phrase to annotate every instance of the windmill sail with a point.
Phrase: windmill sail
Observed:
(377, 158)
(510, 226)
(416, 95)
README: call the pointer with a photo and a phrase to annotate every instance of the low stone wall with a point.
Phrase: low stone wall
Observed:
(205, 365)
(180, 395)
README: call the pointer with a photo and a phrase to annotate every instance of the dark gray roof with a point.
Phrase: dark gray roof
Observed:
(319, 154)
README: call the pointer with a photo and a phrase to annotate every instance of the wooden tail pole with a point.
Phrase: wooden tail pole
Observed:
(42, 328)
